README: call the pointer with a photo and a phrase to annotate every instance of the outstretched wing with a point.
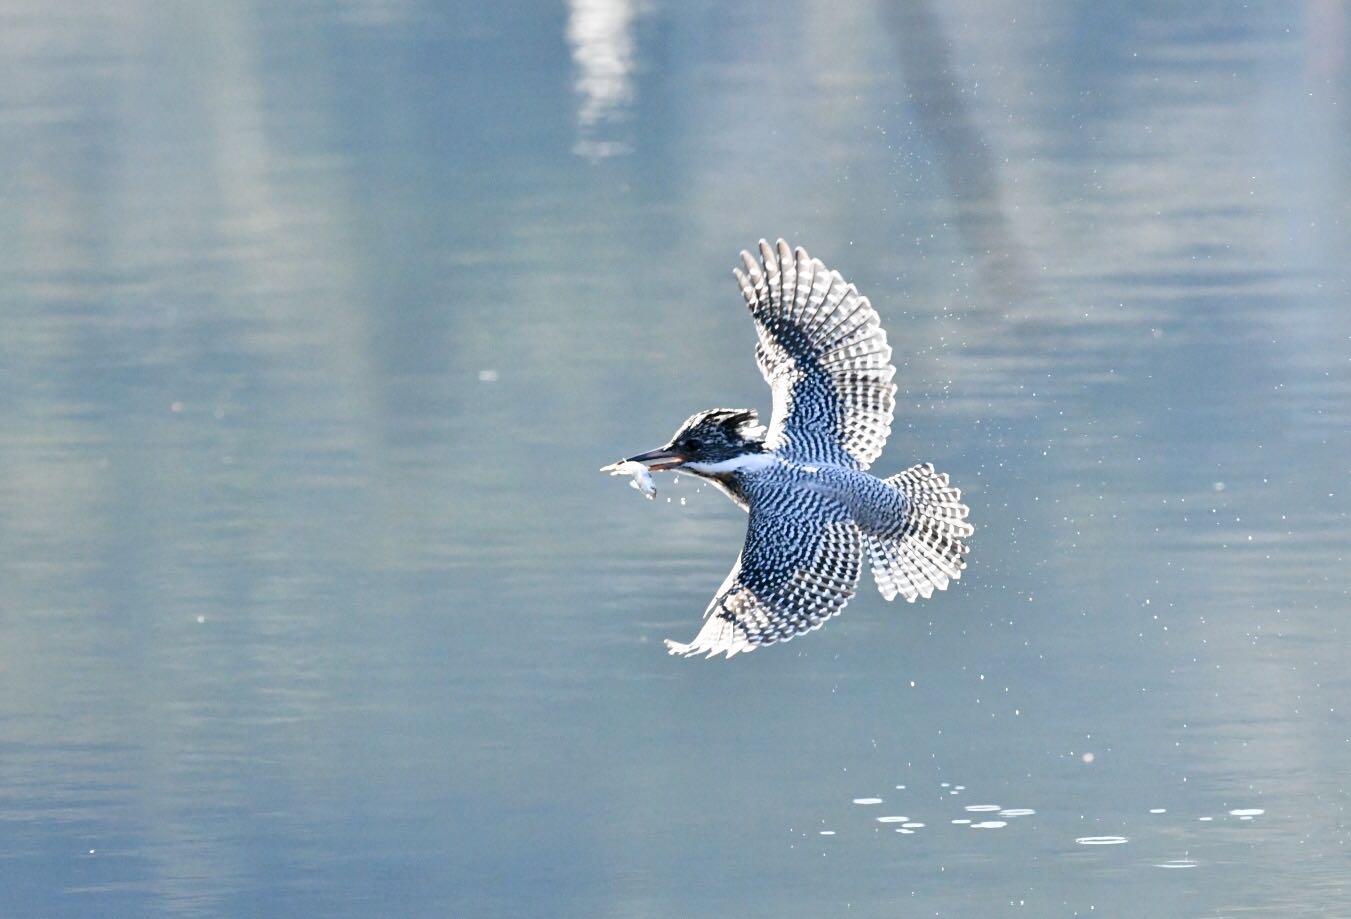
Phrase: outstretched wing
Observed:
(824, 354)
(800, 566)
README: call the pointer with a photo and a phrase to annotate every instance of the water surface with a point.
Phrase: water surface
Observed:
(316, 321)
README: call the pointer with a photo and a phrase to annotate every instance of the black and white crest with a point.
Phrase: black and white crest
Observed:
(729, 428)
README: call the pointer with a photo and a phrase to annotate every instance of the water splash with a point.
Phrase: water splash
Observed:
(1102, 840)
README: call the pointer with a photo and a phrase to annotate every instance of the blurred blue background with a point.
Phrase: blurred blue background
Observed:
(317, 319)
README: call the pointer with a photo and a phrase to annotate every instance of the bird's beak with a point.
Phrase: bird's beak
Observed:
(658, 459)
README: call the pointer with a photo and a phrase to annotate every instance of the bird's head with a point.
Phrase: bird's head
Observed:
(713, 442)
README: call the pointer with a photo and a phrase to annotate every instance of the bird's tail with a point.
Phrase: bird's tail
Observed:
(928, 552)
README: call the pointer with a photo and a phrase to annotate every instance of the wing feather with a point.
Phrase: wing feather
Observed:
(799, 567)
(824, 353)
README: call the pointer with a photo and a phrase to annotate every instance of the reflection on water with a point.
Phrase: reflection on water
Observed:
(939, 107)
(600, 33)
(315, 328)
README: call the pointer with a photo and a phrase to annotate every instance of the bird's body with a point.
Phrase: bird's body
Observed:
(770, 478)
(815, 511)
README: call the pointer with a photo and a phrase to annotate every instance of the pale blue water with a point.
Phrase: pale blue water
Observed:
(316, 321)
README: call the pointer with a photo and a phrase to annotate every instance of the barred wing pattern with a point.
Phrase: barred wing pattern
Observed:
(824, 354)
(799, 566)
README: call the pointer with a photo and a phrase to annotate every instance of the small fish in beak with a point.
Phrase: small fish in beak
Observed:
(642, 476)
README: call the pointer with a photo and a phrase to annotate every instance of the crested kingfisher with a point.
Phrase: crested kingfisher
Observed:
(815, 511)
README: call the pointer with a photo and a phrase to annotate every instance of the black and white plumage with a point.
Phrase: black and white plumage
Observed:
(815, 511)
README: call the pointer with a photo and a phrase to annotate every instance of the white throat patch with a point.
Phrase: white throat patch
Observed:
(747, 462)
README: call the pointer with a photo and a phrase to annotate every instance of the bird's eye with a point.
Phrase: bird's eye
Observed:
(693, 443)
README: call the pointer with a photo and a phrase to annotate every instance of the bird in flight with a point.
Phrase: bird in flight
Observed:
(815, 511)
